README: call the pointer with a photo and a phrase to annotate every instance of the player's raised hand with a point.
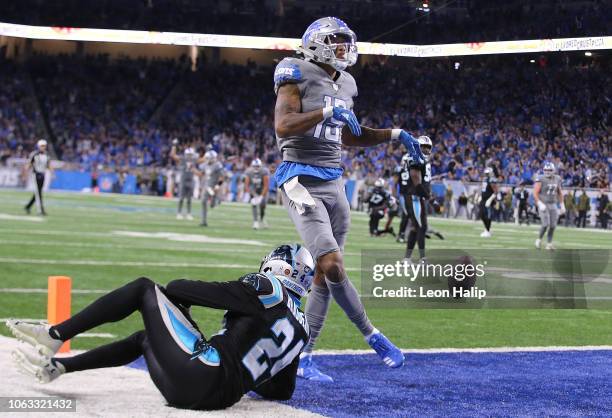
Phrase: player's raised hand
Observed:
(412, 145)
(348, 117)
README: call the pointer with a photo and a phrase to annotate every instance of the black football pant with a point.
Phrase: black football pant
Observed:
(185, 383)
(37, 196)
(485, 215)
(522, 210)
(417, 213)
(375, 217)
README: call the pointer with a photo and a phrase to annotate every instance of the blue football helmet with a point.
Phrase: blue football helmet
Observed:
(292, 265)
(324, 37)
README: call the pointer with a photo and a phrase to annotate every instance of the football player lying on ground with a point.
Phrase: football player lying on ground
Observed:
(258, 349)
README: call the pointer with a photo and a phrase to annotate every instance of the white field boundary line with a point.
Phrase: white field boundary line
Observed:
(10, 260)
(8, 217)
(450, 350)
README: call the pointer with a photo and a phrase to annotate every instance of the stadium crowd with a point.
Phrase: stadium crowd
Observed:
(503, 112)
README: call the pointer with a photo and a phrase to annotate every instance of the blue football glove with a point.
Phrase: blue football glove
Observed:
(413, 147)
(348, 117)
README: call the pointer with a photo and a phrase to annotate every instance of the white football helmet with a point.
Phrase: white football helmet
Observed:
(292, 265)
(41, 144)
(426, 146)
(324, 37)
(488, 172)
(210, 156)
(379, 183)
(549, 169)
(256, 163)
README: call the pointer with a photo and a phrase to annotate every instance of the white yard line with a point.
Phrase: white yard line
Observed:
(8, 217)
(477, 350)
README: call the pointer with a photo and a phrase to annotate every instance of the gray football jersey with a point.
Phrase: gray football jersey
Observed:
(256, 179)
(550, 188)
(212, 173)
(321, 145)
(187, 163)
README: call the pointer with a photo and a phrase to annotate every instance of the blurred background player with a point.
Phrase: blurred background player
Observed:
(488, 193)
(547, 195)
(402, 179)
(312, 120)
(38, 162)
(522, 213)
(417, 197)
(187, 168)
(190, 371)
(257, 183)
(213, 175)
(378, 204)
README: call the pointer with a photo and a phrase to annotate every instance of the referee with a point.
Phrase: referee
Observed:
(38, 162)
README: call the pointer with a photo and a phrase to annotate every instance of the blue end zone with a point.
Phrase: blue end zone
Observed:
(562, 383)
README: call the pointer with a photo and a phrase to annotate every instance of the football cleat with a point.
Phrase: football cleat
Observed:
(179, 216)
(264, 224)
(256, 225)
(538, 243)
(389, 353)
(203, 223)
(550, 246)
(308, 370)
(35, 334)
(189, 217)
(45, 370)
(485, 234)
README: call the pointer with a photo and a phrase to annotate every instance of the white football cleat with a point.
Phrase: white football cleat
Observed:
(485, 234)
(256, 225)
(264, 224)
(179, 216)
(45, 370)
(189, 217)
(550, 246)
(37, 335)
(538, 243)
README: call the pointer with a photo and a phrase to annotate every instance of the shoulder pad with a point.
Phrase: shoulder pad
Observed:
(269, 290)
(288, 71)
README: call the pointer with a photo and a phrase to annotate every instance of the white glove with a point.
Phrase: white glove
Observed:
(562, 209)
(541, 206)
(489, 201)
(256, 201)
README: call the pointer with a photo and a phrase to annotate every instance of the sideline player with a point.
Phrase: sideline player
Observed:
(547, 194)
(38, 162)
(488, 192)
(416, 198)
(378, 203)
(187, 163)
(258, 349)
(312, 120)
(257, 184)
(212, 179)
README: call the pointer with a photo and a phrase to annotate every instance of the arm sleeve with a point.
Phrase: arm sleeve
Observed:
(282, 385)
(288, 71)
(232, 296)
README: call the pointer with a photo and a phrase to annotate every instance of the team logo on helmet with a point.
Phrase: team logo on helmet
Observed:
(292, 265)
(330, 41)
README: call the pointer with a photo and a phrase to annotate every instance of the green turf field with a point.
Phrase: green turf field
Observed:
(104, 241)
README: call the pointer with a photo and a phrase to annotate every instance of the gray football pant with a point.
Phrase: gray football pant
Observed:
(323, 230)
(205, 197)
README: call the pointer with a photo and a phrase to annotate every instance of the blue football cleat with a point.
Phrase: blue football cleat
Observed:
(389, 353)
(308, 370)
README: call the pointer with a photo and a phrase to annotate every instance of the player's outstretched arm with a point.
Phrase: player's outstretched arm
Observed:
(370, 137)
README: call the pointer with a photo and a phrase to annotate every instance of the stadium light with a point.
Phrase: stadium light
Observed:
(532, 61)
(588, 53)
(457, 65)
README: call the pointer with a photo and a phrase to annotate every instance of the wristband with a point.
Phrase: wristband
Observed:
(328, 111)
(395, 133)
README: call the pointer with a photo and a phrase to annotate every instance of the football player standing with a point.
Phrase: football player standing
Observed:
(488, 192)
(313, 119)
(257, 183)
(417, 196)
(547, 195)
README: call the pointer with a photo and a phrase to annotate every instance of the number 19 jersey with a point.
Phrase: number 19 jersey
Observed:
(321, 145)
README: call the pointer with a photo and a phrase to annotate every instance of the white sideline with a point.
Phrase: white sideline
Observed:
(7, 217)
(118, 392)
(477, 350)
